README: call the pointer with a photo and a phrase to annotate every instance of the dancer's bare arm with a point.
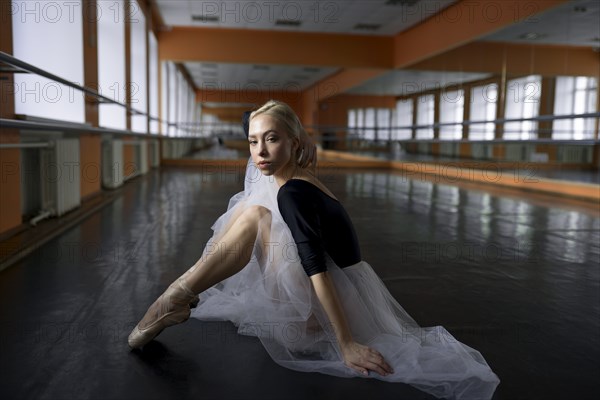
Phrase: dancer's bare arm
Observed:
(356, 356)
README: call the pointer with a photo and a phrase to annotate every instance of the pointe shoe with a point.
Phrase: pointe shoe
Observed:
(171, 308)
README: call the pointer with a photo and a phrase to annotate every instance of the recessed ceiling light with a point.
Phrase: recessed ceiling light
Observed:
(408, 3)
(532, 36)
(205, 18)
(367, 27)
(288, 22)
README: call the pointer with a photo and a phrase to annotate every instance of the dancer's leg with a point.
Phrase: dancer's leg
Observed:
(232, 252)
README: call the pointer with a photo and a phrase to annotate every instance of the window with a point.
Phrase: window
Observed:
(111, 67)
(369, 124)
(402, 116)
(351, 122)
(182, 104)
(574, 95)
(164, 111)
(383, 123)
(522, 101)
(360, 122)
(139, 88)
(173, 89)
(153, 75)
(451, 110)
(49, 36)
(483, 108)
(425, 116)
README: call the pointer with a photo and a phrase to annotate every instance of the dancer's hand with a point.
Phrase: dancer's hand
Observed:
(364, 359)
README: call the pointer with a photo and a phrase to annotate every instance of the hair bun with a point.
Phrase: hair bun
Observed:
(246, 122)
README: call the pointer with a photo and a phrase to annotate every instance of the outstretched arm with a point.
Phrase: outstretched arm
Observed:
(356, 356)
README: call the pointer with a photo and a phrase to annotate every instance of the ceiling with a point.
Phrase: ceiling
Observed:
(226, 76)
(365, 17)
(402, 82)
(576, 23)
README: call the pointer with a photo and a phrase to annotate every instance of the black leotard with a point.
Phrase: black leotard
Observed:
(319, 225)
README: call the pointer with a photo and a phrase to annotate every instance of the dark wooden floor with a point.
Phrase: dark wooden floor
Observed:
(516, 278)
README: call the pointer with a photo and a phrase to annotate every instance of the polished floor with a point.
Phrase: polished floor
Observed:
(517, 278)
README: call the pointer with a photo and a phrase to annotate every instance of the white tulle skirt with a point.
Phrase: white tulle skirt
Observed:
(272, 299)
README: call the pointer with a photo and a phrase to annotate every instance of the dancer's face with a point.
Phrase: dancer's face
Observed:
(271, 147)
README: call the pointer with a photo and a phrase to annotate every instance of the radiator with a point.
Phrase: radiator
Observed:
(176, 148)
(424, 148)
(143, 157)
(60, 177)
(575, 154)
(449, 149)
(112, 163)
(482, 151)
(154, 153)
(514, 152)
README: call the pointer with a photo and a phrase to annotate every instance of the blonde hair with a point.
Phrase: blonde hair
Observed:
(284, 115)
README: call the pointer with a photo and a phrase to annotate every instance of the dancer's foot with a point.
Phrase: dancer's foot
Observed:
(171, 308)
(195, 301)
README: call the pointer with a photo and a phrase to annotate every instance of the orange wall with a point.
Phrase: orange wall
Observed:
(10, 182)
(227, 114)
(129, 165)
(90, 153)
(248, 96)
(520, 59)
(287, 48)
(460, 23)
(10, 159)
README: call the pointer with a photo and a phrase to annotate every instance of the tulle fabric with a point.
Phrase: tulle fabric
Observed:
(272, 299)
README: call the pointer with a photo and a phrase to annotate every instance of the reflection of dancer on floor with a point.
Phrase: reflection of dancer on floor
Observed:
(274, 149)
(353, 305)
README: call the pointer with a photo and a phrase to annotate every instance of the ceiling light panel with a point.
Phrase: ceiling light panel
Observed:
(402, 82)
(567, 24)
(227, 76)
(335, 16)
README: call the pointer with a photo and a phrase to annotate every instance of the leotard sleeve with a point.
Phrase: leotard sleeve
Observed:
(299, 212)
